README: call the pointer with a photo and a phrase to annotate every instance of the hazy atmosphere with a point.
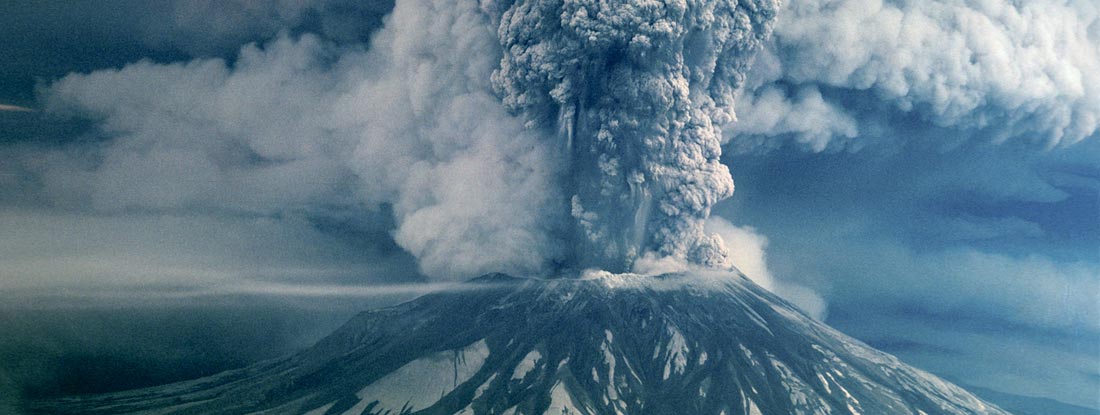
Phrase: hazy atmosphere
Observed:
(193, 186)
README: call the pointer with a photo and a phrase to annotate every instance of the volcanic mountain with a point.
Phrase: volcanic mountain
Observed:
(698, 343)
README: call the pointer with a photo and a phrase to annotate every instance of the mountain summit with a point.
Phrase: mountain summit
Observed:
(699, 343)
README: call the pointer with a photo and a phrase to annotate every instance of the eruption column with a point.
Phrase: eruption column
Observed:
(636, 90)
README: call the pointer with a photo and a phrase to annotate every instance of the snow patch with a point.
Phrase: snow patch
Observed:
(561, 402)
(321, 410)
(422, 382)
(676, 352)
(753, 315)
(526, 365)
(804, 398)
(609, 359)
(853, 410)
(484, 387)
(825, 384)
(753, 409)
(750, 406)
(851, 400)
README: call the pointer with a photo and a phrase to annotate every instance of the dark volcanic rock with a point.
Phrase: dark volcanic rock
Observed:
(705, 343)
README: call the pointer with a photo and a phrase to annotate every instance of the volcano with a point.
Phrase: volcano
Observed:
(689, 343)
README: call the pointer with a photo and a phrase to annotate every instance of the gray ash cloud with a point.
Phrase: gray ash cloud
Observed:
(636, 92)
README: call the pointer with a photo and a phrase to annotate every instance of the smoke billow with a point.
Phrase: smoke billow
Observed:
(835, 71)
(610, 152)
(636, 91)
(301, 127)
(532, 136)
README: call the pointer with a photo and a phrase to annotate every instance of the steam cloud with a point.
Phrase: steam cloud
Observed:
(535, 136)
(612, 150)
(636, 91)
(994, 71)
(305, 127)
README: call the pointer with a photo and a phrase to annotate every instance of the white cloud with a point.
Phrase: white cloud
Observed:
(293, 126)
(15, 108)
(1030, 290)
(814, 122)
(1003, 70)
(748, 251)
(413, 124)
(51, 250)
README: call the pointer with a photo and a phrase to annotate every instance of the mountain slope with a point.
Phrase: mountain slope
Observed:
(618, 344)
(1029, 405)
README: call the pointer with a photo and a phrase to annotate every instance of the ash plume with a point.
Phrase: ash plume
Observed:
(549, 136)
(636, 91)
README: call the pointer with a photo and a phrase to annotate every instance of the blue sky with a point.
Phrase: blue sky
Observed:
(929, 172)
(950, 272)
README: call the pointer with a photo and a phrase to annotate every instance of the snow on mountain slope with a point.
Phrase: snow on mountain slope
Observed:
(430, 377)
(705, 343)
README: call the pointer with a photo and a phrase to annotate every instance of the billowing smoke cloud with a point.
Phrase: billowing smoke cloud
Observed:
(47, 39)
(616, 113)
(612, 148)
(636, 91)
(748, 252)
(530, 136)
(303, 127)
(993, 70)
